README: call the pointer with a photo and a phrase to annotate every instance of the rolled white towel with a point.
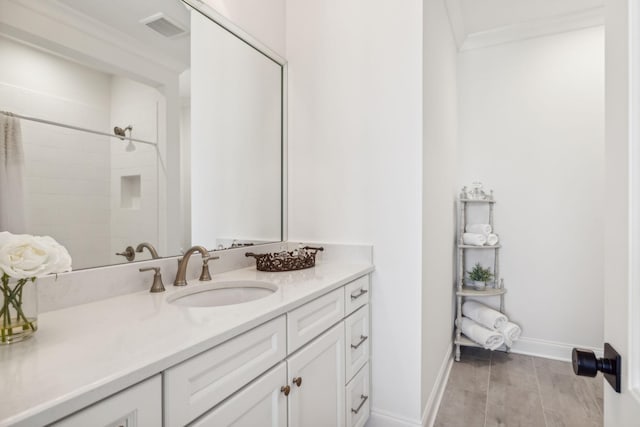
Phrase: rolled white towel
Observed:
(474, 239)
(511, 332)
(484, 315)
(481, 335)
(492, 239)
(478, 228)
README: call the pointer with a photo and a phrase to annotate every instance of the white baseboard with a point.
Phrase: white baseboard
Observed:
(385, 419)
(437, 392)
(548, 349)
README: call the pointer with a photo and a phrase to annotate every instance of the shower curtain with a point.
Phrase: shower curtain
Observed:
(12, 208)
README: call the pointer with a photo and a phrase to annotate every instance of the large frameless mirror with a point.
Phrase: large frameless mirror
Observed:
(140, 122)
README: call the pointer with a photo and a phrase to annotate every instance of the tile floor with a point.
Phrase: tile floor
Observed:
(489, 389)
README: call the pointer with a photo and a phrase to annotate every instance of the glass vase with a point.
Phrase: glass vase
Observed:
(19, 309)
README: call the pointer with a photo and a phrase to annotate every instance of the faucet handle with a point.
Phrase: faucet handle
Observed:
(205, 276)
(128, 253)
(157, 286)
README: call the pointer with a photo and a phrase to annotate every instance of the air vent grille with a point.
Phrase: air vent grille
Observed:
(164, 25)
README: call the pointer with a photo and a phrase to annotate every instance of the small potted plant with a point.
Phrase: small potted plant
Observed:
(479, 277)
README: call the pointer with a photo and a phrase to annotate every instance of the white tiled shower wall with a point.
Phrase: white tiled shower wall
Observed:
(137, 105)
(67, 177)
(72, 177)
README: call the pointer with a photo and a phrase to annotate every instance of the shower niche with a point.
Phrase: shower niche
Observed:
(130, 192)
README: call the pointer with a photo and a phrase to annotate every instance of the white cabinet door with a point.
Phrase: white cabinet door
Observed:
(137, 406)
(261, 403)
(319, 399)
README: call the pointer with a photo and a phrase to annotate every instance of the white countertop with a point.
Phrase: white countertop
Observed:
(85, 353)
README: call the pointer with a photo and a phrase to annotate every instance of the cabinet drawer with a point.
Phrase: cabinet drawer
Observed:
(261, 403)
(140, 405)
(356, 294)
(357, 345)
(307, 322)
(357, 395)
(196, 385)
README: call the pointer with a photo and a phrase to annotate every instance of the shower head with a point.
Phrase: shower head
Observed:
(122, 133)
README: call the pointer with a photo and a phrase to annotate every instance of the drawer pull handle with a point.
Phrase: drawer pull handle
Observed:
(285, 389)
(359, 294)
(362, 339)
(297, 381)
(364, 399)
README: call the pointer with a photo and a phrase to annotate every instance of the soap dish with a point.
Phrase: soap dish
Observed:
(297, 259)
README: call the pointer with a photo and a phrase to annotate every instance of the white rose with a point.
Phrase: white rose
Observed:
(23, 256)
(59, 259)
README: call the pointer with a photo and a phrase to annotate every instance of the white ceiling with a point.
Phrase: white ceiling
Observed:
(475, 19)
(124, 16)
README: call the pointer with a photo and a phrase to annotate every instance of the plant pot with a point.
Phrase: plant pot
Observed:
(477, 285)
(18, 310)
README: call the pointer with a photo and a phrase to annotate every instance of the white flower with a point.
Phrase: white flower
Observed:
(23, 256)
(59, 258)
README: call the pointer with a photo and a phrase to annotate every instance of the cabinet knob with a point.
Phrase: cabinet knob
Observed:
(286, 390)
(297, 381)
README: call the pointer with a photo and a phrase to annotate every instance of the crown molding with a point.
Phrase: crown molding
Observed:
(555, 24)
(454, 11)
(586, 18)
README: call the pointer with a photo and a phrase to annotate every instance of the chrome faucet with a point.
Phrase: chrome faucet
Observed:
(150, 248)
(182, 265)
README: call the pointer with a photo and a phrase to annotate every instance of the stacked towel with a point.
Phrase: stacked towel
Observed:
(488, 339)
(511, 332)
(492, 239)
(484, 315)
(478, 228)
(474, 239)
(484, 323)
(476, 233)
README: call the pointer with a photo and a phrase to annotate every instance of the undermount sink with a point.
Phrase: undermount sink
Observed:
(222, 293)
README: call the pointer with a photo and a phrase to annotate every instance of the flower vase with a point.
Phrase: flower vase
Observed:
(18, 309)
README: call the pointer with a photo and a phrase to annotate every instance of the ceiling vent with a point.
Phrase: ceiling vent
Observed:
(164, 25)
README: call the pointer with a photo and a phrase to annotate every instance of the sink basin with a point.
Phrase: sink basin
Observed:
(222, 293)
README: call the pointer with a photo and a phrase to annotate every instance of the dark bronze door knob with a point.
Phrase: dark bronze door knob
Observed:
(586, 364)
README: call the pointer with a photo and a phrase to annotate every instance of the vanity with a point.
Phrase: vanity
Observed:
(297, 357)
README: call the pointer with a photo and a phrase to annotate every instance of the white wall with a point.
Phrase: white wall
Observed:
(439, 176)
(264, 20)
(355, 154)
(67, 172)
(531, 118)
